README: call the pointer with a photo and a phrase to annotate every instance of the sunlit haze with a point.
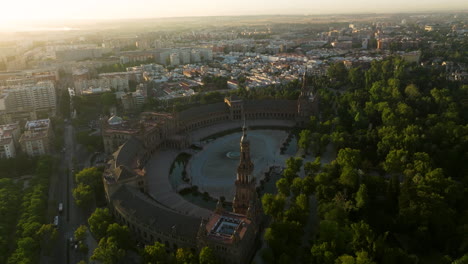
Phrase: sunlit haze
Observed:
(15, 11)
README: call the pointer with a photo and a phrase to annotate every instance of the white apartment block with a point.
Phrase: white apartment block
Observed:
(179, 56)
(7, 148)
(174, 57)
(195, 56)
(39, 96)
(184, 56)
(118, 83)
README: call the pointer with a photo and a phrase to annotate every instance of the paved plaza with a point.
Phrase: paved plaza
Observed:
(217, 179)
(214, 172)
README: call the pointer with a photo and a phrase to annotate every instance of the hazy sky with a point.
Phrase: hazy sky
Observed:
(108, 9)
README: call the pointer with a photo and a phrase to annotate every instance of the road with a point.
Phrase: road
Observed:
(60, 191)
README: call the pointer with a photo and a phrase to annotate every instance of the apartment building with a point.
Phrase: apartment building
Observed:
(37, 137)
(9, 136)
(22, 102)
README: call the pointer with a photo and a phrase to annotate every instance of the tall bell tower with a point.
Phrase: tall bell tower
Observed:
(307, 103)
(245, 182)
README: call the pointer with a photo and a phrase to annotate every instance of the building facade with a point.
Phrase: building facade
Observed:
(9, 136)
(36, 140)
(21, 102)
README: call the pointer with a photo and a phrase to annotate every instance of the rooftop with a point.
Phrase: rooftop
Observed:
(153, 214)
(35, 125)
(33, 135)
(226, 226)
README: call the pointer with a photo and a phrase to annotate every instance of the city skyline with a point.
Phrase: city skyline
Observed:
(121, 9)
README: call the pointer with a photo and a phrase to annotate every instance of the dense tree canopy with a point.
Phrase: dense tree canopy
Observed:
(395, 192)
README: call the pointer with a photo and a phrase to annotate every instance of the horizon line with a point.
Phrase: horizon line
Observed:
(429, 11)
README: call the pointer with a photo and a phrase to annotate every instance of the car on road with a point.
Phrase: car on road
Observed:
(60, 207)
(71, 242)
(56, 221)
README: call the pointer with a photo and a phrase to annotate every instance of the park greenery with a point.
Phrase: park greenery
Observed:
(93, 143)
(114, 239)
(121, 67)
(158, 253)
(92, 107)
(115, 242)
(24, 227)
(396, 191)
(89, 187)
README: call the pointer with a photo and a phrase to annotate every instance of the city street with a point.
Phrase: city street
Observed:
(60, 191)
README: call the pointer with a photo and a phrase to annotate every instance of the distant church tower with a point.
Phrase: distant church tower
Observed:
(245, 183)
(307, 103)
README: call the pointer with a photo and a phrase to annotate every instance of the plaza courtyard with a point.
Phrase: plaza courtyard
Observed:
(213, 169)
(210, 169)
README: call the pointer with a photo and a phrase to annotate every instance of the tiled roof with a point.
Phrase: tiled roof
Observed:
(203, 111)
(127, 153)
(151, 213)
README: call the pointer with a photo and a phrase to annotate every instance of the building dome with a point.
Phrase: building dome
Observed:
(115, 120)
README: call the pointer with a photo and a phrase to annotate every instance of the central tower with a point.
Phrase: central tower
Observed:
(245, 182)
(307, 104)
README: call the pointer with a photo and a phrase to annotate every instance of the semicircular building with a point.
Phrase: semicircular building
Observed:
(232, 235)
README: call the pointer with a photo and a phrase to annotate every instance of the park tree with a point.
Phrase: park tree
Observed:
(30, 229)
(108, 251)
(185, 256)
(273, 205)
(305, 138)
(345, 259)
(282, 185)
(356, 77)
(396, 161)
(296, 186)
(84, 195)
(338, 139)
(10, 197)
(207, 256)
(349, 177)
(296, 214)
(90, 176)
(155, 254)
(412, 91)
(284, 237)
(81, 233)
(338, 72)
(302, 201)
(108, 99)
(26, 251)
(313, 167)
(323, 253)
(462, 260)
(349, 157)
(362, 257)
(362, 198)
(65, 103)
(47, 235)
(308, 185)
(121, 235)
(362, 237)
(294, 164)
(99, 221)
